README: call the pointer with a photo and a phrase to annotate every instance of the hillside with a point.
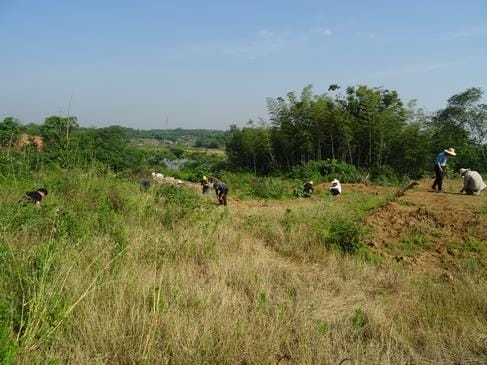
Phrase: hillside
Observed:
(104, 273)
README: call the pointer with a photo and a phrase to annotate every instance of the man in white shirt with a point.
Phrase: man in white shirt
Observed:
(336, 187)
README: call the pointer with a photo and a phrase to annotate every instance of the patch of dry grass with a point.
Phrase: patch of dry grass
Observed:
(243, 285)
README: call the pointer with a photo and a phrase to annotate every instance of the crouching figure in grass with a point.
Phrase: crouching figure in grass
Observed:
(221, 191)
(35, 197)
(473, 183)
(308, 189)
(335, 187)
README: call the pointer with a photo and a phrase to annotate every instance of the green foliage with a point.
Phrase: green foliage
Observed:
(327, 170)
(359, 320)
(475, 246)
(463, 124)
(248, 186)
(412, 242)
(177, 202)
(384, 175)
(250, 148)
(9, 132)
(200, 137)
(368, 127)
(8, 347)
(322, 328)
(268, 188)
(346, 235)
(57, 133)
(14, 164)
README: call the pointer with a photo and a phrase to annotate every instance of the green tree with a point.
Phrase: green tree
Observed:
(57, 130)
(112, 147)
(463, 124)
(9, 132)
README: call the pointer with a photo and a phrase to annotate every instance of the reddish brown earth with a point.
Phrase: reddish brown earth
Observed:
(428, 230)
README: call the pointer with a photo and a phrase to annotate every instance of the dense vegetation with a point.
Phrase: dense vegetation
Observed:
(65, 144)
(369, 128)
(365, 131)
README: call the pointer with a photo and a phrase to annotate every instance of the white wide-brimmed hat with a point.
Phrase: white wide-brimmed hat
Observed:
(451, 151)
(463, 171)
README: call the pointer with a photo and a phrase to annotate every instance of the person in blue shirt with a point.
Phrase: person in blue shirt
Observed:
(440, 164)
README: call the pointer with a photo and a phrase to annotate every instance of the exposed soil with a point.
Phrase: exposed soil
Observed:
(428, 230)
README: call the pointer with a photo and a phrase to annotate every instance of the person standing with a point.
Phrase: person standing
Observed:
(473, 183)
(440, 165)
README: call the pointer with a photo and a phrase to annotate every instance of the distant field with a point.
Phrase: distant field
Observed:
(164, 145)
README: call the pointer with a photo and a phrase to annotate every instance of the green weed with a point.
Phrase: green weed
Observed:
(475, 246)
(346, 234)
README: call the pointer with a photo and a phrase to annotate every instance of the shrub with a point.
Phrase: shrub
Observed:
(384, 175)
(328, 169)
(267, 188)
(178, 202)
(346, 234)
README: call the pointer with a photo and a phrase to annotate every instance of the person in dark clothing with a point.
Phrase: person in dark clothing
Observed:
(308, 189)
(36, 197)
(221, 191)
(144, 184)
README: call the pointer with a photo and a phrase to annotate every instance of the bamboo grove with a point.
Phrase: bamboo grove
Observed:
(369, 128)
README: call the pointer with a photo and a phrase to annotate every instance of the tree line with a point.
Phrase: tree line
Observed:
(365, 128)
(66, 144)
(369, 128)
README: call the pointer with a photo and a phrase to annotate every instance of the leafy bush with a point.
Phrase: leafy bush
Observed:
(177, 195)
(268, 188)
(178, 202)
(346, 234)
(328, 170)
(384, 175)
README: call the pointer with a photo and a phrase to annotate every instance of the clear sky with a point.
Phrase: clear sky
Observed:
(209, 64)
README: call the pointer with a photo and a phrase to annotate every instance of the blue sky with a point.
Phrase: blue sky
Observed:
(209, 64)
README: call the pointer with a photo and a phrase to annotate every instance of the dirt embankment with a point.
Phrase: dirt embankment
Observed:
(428, 230)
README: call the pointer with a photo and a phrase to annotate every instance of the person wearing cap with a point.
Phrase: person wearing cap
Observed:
(335, 187)
(205, 184)
(308, 189)
(440, 164)
(473, 183)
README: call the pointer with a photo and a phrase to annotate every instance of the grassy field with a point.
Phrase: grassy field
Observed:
(102, 273)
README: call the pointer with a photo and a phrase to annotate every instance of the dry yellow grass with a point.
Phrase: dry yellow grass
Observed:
(243, 285)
